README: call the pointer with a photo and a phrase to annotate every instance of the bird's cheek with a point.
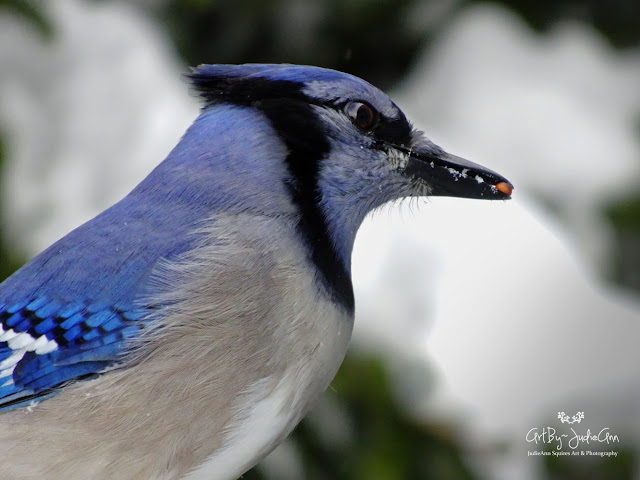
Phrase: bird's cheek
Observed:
(397, 160)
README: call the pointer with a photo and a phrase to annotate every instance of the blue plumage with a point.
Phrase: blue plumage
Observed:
(83, 290)
(235, 255)
(80, 292)
(60, 342)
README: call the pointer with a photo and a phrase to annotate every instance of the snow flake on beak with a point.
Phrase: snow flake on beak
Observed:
(457, 175)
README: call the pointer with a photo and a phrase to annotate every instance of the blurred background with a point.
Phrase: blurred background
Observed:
(476, 321)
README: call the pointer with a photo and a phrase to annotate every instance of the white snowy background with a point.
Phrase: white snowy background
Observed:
(501, 302)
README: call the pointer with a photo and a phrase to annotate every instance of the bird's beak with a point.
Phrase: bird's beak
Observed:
(451, 176)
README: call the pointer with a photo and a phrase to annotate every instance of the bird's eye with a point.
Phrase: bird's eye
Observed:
(362, 115)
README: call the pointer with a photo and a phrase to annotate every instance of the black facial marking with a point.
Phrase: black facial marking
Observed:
(299, 127)
(291, 113)
(248, 90)
(394, 131)
(243, 90)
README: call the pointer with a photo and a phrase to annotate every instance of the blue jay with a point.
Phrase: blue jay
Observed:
(185, 331)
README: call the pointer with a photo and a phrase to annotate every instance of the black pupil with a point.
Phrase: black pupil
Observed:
(364, 116)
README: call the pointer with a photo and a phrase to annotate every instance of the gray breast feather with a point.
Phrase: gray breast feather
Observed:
(247, 312)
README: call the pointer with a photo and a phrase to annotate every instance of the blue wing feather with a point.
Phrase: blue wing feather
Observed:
(66, 342)
(69, 313)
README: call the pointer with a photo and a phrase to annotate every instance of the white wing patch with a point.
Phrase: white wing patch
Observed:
(8, 335)
(21, 343)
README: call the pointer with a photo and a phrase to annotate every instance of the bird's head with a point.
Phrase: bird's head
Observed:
(350, 148)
